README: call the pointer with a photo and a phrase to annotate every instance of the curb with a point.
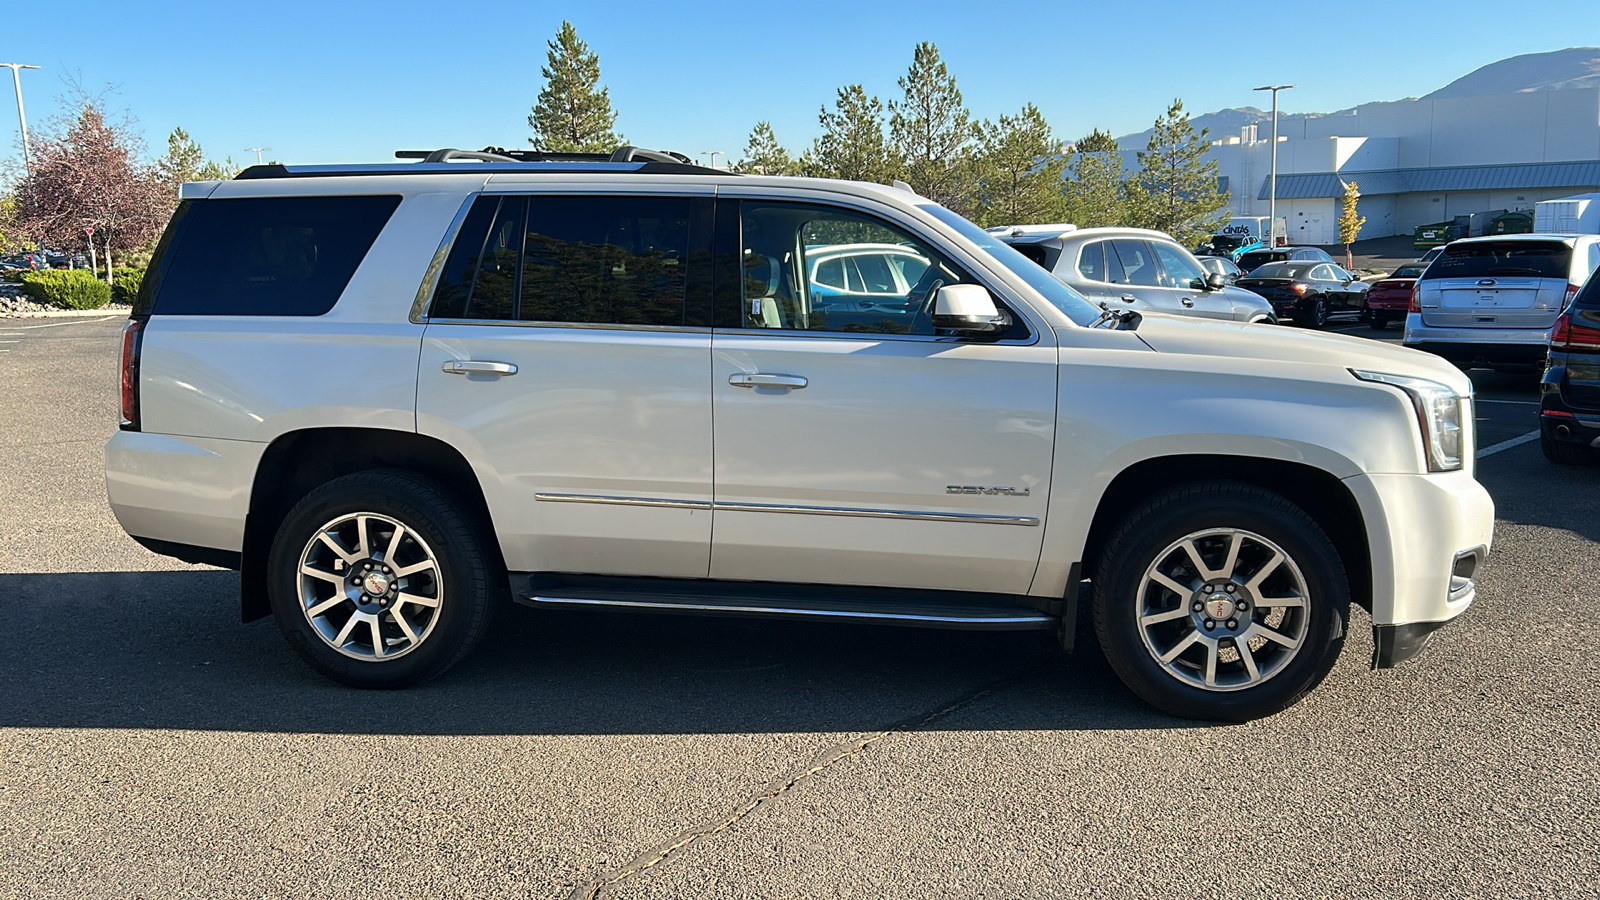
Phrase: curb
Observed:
(66, 313)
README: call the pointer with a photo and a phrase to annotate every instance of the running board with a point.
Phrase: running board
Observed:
(823, 603)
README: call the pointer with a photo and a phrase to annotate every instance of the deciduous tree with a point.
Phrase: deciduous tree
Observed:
(931, 133)
(1175, 189)
(1019, 167)
(1350, 223)
(573, 114)
(763, 155)
(88, 177)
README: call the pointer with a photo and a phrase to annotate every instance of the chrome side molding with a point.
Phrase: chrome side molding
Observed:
(970, 518)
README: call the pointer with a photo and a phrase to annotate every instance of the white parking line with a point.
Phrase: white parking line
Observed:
(1507, 445)
(72, 322)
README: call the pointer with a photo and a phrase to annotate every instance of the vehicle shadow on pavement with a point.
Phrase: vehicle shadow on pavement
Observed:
(1530, 490)
(166, 650)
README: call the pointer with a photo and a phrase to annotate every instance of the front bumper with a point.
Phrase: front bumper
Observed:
(1428, 536)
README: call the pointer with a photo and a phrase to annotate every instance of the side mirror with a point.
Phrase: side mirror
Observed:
(967, 307)
(1216, 281)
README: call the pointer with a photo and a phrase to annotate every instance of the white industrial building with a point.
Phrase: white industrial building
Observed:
(1417, 162)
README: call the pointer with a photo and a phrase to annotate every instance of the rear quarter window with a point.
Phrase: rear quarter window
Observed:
(266, 256)
(1489, 259)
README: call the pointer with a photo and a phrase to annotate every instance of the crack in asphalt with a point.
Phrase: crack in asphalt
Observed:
(591, 890)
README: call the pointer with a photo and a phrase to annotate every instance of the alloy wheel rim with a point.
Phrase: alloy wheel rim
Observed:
(1223, 609)
(370, 586)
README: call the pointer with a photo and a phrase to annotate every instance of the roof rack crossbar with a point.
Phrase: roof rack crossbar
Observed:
(630, 153)
(500, 154)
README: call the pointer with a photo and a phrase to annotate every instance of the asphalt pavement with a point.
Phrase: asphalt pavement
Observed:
(151, 746)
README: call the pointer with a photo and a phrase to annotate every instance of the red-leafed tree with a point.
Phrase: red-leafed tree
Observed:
(88, 176)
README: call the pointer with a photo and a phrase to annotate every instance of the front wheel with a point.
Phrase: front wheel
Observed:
(1378, 322)
(1220, 601)
(378, 580)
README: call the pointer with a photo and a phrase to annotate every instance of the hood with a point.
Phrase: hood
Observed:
(1225, 340)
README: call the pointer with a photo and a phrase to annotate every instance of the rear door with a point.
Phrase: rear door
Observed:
(1141, 276)
(1496, 284)
(565, 356)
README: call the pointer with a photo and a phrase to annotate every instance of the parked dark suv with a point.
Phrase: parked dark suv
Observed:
(1569, 414)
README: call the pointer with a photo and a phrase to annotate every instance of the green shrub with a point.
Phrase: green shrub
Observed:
(13, 275)
(67, 289)
(125, 284)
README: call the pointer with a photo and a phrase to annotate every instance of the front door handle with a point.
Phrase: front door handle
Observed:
(1188, 301)
(478, 367)
(757, 379)
(1128, 298)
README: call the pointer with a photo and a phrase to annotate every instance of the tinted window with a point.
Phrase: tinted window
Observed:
(1408, 271)
(829, 273)
(1484, 259)
(1092, 261)
(606, 260)
(269, 256)
(1259, 257)
(494, 291)
(461, 267)
(1297, 270)
(1138, 266)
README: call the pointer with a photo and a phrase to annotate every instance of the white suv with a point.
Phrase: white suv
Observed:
(394, 395)
(1491, 301)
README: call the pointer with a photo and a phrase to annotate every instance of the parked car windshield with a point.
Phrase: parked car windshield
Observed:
(1057, 293)
(1257, 257)
(1296, 270)
(1481, 259)
(1414, 271)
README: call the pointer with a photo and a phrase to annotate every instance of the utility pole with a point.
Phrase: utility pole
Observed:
(1272, 189)
(22, 117)
(714, 154)
(257, 151)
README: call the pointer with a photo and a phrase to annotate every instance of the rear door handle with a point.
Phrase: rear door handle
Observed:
(757, 379)
(478, 367)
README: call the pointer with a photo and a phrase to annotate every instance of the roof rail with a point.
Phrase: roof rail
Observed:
(500, 154)
(630, 153)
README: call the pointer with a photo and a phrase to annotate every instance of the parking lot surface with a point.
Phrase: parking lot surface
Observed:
(152, 746)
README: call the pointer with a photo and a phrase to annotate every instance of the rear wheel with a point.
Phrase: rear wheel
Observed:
(1316, 314)
(1565, 453)
(1377, 322)
(378, 580)
(1220, 601)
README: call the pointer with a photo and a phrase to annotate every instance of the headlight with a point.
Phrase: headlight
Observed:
(1441, 413)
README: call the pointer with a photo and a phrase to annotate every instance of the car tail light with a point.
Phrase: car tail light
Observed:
(1572, 291)
(1571, 336)
(1415, 305)
(132, 337)
(1298, 288)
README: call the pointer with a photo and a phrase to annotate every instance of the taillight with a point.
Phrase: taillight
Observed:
(1571, 336)
(1415, 305)
(132, 336)
(1298, 288)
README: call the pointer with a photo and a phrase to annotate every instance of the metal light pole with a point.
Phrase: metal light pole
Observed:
(257, 151)
(1272, 189)
(22, 117)
(713, 154)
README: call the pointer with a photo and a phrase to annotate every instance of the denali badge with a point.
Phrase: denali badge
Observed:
(979, 489)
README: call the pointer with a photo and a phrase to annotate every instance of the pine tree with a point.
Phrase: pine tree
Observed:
(763, 155)
(851, 146)
(1350, 223)
(571, 116)
(1176, 188)
(218, 171)
(183, 160)
(1019, 166)
(1095, 188)
(931, 132)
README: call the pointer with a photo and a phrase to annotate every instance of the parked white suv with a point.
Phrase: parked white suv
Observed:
(1491, 301)
(388, 394)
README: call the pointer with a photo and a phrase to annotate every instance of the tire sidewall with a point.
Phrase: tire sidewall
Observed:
(1124, 565)
(416, 504)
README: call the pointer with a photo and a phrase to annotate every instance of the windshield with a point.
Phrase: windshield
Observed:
(1257, 257)
(1408, 271)
(1059, 295)
(1283, 270)
(1538, 259)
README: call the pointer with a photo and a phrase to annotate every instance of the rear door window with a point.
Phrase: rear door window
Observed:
(268, 256)
(1138, 265)
(1490, 259)
(1092, 262)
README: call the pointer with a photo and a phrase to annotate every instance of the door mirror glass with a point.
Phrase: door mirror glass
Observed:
(967, 307)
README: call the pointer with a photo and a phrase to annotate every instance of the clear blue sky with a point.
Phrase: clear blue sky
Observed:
(346, 82)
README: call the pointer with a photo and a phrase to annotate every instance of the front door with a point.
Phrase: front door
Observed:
(860, 445)
(566, 357)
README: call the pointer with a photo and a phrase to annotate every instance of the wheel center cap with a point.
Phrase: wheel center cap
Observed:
(375, 583)
(1219, 606)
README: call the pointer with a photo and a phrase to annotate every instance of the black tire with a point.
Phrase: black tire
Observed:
(468, 576)
(1378, 323)
(1138, 544)
(1566, 454)
(1316, 316)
